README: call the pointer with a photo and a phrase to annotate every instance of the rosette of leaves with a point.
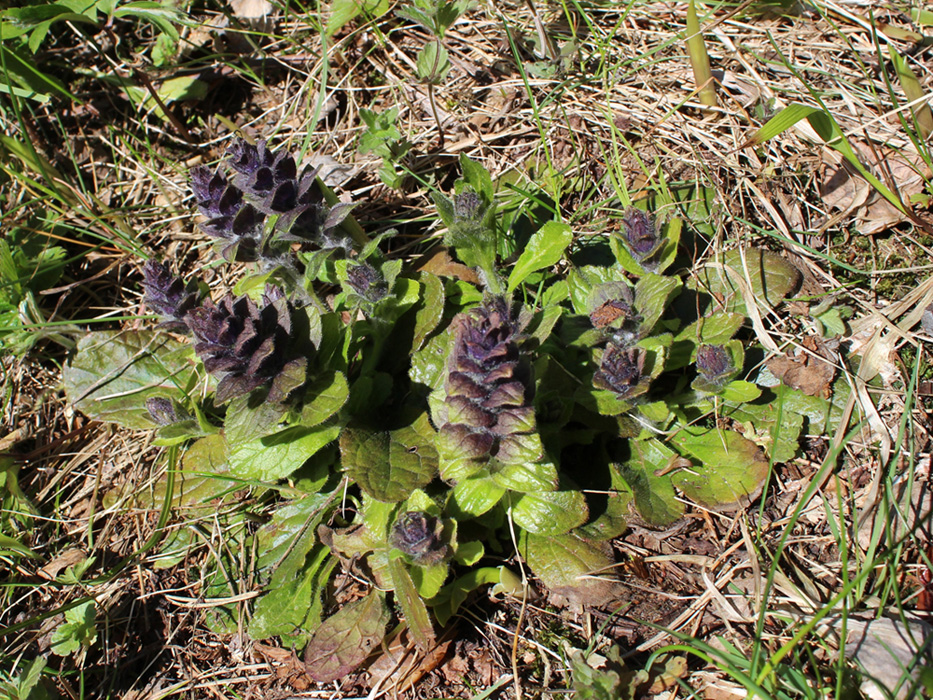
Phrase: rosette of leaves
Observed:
(257, 203)
(717, 365)
(248, 346)
(644, 244)
(487, 408)
(169, 295)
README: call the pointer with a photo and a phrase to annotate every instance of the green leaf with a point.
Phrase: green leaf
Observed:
(79, 630)
(572, 567)
(549, 512)
(390, 465)
(406, 595)
(525, 476)
(114, 372)
(428, 364)
(477, 177)
(250, 417)
(326, 395)
(344, 640)
(545, 248)
(293, 605)
(654, 493)
(770, 277)
(276, 456)
(446, 603)
(473, 497)
(344, 11)
(613, 520)
(731, 473)
(653, 293)
(433, 63)
(429, 315)
(828, 129)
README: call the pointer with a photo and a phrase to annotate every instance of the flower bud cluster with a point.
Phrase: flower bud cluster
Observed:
(245, 344)
(487, 385)
(252, 186)
(168, 295)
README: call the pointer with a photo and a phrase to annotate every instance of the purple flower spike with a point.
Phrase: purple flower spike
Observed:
(487, 384)
(641, 234)
(713, 361)
(168, 294)
(243, 344)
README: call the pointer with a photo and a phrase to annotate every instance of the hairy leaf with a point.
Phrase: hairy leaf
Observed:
(654, 493)
(546, 247)
(406, 595)
(732, 471)
(114, 372)
(572, 567)
(390, 465)
(344, 640)
(326, 395)
(549, 512)
(278, 455)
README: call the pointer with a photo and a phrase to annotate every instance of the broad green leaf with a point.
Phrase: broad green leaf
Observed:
(114, 372)
(428, 364)
(344, 640)
(770, 278)
(249, 420)
(390, 465)
(448, 601)
(473, 497)
(291, 607)
(406, 595)
(545, 249)
(477, 177)
(739, 391)
(432, 63)
(525, 476)
(653, 293)
(326, 395)
(729, 470)
(572, 567)
(428, 579)
(654, 493)
(715, 329)
(468, 553)
(611, 520)
(276, 456)
(431, 312)
(344, 11)
(549, 512)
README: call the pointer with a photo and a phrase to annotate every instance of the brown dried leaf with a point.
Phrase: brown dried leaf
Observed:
(846, 190)
(808, 372)
(442, 265)
(402, 663)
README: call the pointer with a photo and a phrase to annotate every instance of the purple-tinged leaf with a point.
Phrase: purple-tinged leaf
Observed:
(345, 639)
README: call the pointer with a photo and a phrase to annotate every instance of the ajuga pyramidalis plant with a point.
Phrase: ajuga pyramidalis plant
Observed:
(416, 427)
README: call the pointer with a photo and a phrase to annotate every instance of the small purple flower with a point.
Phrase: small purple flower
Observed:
(714, 361)
(467, 206)
(621, 370)
(418, 535)
(161, 410)
(168, 294)
(641, 233)
(367, 282)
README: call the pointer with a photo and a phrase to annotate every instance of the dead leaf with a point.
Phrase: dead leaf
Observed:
(809, 372)
(403, 664)
(69, 557)
(251, 10)
(442, 265)
(889, 651)
(844, 189)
